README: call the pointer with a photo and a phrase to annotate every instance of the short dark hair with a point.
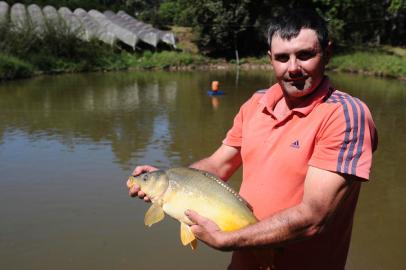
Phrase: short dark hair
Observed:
(289, 24)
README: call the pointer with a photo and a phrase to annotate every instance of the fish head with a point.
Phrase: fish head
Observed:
(153, 184)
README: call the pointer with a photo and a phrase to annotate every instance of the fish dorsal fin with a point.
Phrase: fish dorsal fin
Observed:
(224, 185)
(187, 236)
(154, 214)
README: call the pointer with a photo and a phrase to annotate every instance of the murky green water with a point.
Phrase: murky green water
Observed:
(68, 143)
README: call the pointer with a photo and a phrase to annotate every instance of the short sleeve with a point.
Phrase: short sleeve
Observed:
(347, 140)
(235, 134)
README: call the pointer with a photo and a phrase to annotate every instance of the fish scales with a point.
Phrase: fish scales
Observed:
(191, 176)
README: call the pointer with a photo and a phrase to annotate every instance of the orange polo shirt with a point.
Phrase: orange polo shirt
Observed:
(332, 131)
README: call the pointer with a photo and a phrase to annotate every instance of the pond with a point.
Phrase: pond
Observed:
(68, 144)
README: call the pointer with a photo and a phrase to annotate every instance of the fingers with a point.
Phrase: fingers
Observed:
(193, 216)
(143, 168)
(136, 192)
(134, 189)
(198, 221)
(201, 221)
(206, 230)
(195, 219)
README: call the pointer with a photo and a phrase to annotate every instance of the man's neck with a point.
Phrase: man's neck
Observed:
(281, 108)
(292, 102)
(288, 103)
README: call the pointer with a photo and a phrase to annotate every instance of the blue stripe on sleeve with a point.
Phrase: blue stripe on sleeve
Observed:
(346, 136)
(354, 139)
(361, 137)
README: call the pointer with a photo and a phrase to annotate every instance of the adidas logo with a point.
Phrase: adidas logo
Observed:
(295, 144)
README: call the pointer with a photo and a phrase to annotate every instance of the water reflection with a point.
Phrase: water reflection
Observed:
(121, 109)
(73, 139)
(215, 102)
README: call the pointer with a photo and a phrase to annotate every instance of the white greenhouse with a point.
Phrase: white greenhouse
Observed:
(107, 26)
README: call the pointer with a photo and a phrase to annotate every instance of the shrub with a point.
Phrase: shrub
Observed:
(12, 67)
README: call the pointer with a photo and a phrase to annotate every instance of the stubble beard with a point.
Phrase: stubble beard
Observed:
(298, 89)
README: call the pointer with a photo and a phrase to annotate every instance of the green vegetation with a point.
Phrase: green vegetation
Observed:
(210, 32)
(176, 12)
(54, 51)
(383, 61)
(12, 67)
(165, 60)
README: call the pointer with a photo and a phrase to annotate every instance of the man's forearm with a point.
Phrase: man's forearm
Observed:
(290, 225)
(223, 162)
(206, 165)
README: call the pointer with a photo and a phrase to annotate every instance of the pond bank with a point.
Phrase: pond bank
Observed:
(383, 62)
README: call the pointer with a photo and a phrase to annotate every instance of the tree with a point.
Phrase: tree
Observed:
(226, 27)
(396, 22)
(176, 12)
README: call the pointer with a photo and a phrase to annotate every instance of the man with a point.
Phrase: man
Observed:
(305, 147)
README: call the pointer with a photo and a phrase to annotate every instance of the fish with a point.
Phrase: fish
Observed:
(175, 190)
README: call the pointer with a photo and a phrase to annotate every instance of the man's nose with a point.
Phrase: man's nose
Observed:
(294, 66)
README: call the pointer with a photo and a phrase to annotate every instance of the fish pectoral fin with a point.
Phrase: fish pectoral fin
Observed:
(154, 214)
(187, 236)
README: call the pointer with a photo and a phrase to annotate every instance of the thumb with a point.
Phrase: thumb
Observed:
(193, 216)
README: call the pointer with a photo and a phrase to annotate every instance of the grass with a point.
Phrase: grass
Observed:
(382, 61)
(165, 60)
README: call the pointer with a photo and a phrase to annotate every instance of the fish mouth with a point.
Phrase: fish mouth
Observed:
(130, 182)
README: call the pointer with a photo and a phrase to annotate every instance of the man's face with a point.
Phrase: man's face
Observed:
(298, 63)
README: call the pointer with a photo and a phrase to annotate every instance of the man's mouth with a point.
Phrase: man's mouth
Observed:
(298, 79)
(298, 83)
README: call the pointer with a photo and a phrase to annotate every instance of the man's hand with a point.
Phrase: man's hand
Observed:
(135, 191)
(208, 231)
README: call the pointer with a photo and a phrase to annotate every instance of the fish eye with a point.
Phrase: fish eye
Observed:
(144, 177)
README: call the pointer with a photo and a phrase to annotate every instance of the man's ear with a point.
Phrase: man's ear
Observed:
(270, 55)
(328, 52)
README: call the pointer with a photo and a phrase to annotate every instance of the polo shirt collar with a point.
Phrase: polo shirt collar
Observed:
(275, 93)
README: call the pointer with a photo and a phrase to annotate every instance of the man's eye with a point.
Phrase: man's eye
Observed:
(282, 58)
(305, 55)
